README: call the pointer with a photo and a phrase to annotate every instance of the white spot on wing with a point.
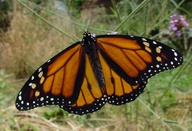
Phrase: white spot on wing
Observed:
(32, 77)
(20, 98)
(40, 69)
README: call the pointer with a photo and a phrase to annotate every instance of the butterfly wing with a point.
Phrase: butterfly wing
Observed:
(66, 80)
(128, 62)
(91, 97)
(55, 82)
(118, 90)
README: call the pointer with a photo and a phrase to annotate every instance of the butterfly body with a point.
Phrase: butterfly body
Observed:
(90, 48)
(103, 69)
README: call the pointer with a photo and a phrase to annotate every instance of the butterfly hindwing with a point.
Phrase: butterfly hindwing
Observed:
(91, 97)
(118, 90)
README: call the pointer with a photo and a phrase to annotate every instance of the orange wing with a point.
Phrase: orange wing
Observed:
(66, 80)
(118, 90)
(55, 82)
(128, 62)
(91, 97)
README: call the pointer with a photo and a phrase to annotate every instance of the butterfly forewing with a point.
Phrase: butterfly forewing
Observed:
(135, 58)
(54, 82)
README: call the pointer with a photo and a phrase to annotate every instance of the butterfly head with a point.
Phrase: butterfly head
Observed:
(88, 38)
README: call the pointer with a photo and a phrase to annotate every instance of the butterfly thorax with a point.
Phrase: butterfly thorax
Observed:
(90, 48)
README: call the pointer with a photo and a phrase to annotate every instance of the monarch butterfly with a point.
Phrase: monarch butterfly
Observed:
(106, 68)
